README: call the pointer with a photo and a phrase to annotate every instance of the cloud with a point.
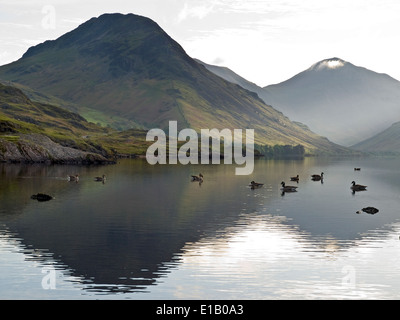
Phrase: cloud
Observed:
(198, 11)
(11, 25)
(218, 61)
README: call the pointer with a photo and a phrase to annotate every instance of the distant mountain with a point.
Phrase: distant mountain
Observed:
(387, 141)
(125, 71)
(339, 100)
(231, 76)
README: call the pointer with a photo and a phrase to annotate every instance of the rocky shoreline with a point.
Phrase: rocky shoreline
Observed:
(36, 148)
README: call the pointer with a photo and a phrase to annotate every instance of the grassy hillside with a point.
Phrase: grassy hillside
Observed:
(19, 115)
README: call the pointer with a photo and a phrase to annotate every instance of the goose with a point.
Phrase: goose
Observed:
(369, 210)
(317, 177)
(357, 169)
(286, 188)
(103, 178)
(255, 184)
(73, 178)
(357, 187)
(295, 178)
(197, 178)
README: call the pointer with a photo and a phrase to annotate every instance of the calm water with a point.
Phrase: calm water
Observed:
(149, 232)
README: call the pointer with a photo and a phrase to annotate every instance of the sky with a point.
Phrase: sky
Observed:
(264, 41)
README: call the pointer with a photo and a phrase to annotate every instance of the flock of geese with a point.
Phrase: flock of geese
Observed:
(253, 185)
(314, 177)
(319, 177)
(284, 188)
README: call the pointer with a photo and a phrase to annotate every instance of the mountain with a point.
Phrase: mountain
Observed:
(233, 77)
(125, 71)
(339, 100)
(387, 141)
(267, 96)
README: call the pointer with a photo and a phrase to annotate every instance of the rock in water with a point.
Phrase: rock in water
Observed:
(41, 197)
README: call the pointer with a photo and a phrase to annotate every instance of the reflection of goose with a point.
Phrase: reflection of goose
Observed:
(286, 188)
(254, 185)
(103, 178)
(197, 178)
(73, 178)
(317, 177)
(357, 187)
(295, 178)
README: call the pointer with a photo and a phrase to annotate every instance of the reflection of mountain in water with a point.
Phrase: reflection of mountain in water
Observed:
(124, 234)
(117, 234)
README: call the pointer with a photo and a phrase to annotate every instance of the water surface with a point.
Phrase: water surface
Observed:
(148, 232)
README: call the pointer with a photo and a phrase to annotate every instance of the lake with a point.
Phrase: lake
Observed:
(149, 232)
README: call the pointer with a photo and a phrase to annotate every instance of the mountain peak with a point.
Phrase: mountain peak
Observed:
(339, 100)
(332, 63)
(106, 29)
(123, 44)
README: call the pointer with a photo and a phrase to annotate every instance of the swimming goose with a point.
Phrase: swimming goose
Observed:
(317, 177)
(197, 178)
(357, 187)
(103, 178)
(254, 185)
(73, 178)
(295, 178)
(286, 188)
(369, 210)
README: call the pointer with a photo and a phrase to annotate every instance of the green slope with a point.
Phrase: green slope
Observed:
(126, 72)
(21, 116)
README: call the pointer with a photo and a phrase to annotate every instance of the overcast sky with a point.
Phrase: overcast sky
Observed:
(265, 41)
